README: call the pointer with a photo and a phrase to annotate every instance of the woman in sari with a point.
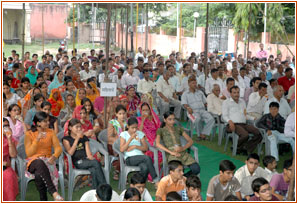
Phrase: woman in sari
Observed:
(10, 179)
(69, 89)
(149, 124)
(147, 98)
(91, 91)
(81, 94)
(44, 89)
(41, 163)
(58, 81)
(32, 75)
(24, 87)
(15, 83)
(66, 112)
(57, 103)
(133, 100)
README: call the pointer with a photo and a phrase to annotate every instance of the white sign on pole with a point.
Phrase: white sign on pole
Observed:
(108, 89)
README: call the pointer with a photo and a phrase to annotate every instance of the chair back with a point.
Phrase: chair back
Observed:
(60, 135)
(116, 148)
(21, 149)
(103, 138)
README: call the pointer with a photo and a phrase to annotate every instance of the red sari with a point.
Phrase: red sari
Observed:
(10, 180)
(58, 104)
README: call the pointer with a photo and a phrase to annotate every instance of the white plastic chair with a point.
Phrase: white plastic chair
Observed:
(73, 172)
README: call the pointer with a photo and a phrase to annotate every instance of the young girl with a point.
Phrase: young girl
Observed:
(77, 145)
(46, 107)
(44, 89)
(41, 162)
(115, 128)
(24, 87)
(11, 98)
(133, 144)
(66, 112)
(37, 101)
(170, 135)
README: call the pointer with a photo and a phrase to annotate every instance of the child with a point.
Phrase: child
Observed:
(280, 182)
(175, 181)
(132, 194)
(262, 191)
(133, 144)
(224, 184)
(173, 196)
(46, 107)
(139, 182)
(103, 192)
(192, 192)
(270, 164)
(274, 125)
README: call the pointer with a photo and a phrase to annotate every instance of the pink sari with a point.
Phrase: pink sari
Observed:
(150, 127)
(10, 180)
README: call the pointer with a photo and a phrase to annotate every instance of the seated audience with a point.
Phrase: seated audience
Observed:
(173, 196)
(230, 82)
(46, 107)
(247, 173)
(139, 182)
(133, 144)
(66, 113)
(39, 142)
(256, 102)
(169, 135)
(16, 122)
(290, 126)
(287, 81)
(270, 164)
(194, 101)
(103, 192)
(132, 194)
(174, 181)
(280, 182)
(274, 125)
(224, 184)
(10, 179)
(214, 102)
(77, 145)
(262, 190)
(37, 101)
(254, 83)
(133, 100)
(234, 113)
(192, 192)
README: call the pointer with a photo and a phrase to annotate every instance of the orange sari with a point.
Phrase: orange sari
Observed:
(58, 104)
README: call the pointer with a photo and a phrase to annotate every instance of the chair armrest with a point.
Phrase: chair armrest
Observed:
(70, 168)
(13, 163)
(21, 167)
(104, 152)
(195, 152)
(155, 156)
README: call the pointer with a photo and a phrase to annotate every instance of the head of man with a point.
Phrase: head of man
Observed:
(167, 75)
(86, 66)
(280, 68)
(186, 68)
(214, 73)
(104, 192)
(252, 162)
(261, 46)
(242, 72)
(140, 49)
(226, 170)
(235, 73)
(175, 170)
(216, 90)
(262, 189)
(230, 83)
(273, 108)
(138, 181)
(278, 92)
(193, 188)
(287, 170)
(171, 69)
(289, 73)
(255, 83)
(262, 89)
(192, 82)
(235, 93)
(146, 74)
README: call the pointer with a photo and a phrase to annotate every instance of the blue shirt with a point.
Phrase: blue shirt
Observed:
(135, 152)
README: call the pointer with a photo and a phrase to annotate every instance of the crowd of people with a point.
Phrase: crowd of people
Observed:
(61, 95)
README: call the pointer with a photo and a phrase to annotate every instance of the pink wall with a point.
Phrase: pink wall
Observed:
(54, 21)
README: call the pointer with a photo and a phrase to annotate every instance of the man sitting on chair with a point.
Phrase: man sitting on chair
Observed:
(234, 113)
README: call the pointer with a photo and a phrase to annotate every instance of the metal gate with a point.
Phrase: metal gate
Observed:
(218, 35)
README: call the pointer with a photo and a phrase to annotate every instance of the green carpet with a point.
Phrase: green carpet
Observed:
(209, 158)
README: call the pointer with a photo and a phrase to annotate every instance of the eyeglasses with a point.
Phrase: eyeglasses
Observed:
(265, 190)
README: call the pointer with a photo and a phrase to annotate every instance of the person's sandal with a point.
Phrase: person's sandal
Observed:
(58, 198)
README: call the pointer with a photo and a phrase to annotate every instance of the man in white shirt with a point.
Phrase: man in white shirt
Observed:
(284, 108)
(256, 102)
(230, 82)
(242, 76)
(174, 79)
(103, 192)
(184, 83)
(238, 83)
(273, 83)
(129, 78)
(167, 96)
(86, 73)
(139, 54)
(213, 80)
(145, 85)
(214, 102)
(247, 173)
(234, 113)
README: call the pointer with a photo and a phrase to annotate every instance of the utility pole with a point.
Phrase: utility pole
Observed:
(23, 43)
(265, 24)
(108, 25)
(248, 29)
(79, 16)
(42, 26)
(131, 31)
(206, 42)
(146, 35)
(126, 33)
(73, 29)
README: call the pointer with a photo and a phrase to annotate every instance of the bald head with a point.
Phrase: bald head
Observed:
(278, 92)
(216, 90)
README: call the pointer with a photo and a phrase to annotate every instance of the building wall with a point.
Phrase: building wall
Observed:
(12, 22)
(55, 16)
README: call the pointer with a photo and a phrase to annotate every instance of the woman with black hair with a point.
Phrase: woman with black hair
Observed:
(39, 142)
(24, 87)
(77, 145)
(37, 101)
(46, 107)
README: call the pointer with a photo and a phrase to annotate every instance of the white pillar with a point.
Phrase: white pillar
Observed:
(27, 26)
